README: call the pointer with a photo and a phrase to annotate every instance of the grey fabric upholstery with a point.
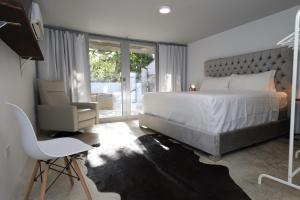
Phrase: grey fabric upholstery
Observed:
(280, 59)
(219, 144)
(203, 141)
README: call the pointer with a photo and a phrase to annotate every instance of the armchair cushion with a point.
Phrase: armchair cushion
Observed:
(53, 93)
(56, 98)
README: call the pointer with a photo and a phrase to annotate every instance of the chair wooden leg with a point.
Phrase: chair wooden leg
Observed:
(83, 183)
(30, 185)
(44, 182)
(69, 171)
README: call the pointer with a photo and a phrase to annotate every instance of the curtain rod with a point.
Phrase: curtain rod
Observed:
(111, 37)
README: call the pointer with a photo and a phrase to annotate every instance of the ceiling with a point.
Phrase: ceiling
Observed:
(108, 45)
(190, 20)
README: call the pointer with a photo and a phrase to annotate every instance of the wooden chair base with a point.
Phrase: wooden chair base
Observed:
(44, 182)
(44, 176)
(82, 180)
(30, 185)
(69, 170)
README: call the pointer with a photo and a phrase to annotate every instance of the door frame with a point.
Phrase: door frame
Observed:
(125, 73)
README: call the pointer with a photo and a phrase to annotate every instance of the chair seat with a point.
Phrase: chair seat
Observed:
(86, 114)
(62, 147)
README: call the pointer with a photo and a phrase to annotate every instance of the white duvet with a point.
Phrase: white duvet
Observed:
(216, 112)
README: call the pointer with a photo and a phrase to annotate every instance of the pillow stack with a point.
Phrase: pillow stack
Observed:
(255, 82)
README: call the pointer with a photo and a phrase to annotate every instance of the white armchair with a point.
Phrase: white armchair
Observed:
(57, 113)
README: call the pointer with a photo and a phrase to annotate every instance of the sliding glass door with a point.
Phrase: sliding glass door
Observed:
(121, 72)
(142, 74)
(106, 74)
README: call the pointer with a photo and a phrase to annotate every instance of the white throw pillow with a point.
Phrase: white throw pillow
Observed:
(210, 83)
(257, 82)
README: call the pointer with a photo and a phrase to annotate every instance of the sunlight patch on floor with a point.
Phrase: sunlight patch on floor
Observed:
(112, 136)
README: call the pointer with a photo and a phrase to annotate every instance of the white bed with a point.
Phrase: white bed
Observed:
(220, 122)
(215, 112)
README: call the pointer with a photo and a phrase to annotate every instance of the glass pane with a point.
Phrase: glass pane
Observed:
(105, 72)
(142, 74)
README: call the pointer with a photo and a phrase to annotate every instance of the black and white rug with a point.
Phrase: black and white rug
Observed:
(153, 167)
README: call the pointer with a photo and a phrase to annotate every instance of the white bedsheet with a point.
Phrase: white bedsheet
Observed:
(216, 112)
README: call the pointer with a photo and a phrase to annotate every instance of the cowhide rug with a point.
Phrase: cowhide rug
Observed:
(153, 167)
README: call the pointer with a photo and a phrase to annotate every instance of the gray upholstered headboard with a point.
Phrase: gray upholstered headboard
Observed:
(280, 59)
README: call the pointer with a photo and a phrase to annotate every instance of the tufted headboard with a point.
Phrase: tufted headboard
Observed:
(280, 59)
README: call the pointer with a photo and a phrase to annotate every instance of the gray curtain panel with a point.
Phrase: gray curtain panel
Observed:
(66, 58)
(172, 68)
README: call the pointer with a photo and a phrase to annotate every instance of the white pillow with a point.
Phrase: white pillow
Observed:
(257, 82)
(210, 83)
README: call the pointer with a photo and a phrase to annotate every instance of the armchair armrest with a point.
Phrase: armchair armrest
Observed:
(91, 105)
(62, 118)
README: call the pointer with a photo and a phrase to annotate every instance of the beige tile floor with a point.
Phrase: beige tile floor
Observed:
(244, 165)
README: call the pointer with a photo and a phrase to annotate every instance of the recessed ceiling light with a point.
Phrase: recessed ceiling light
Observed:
(164, 9)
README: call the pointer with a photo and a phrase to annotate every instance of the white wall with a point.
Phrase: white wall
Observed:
(257, 35)
(19, 90)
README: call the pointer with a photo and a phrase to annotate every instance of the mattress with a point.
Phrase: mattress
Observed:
(216, 112)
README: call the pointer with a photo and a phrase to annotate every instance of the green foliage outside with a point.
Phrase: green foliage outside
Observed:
(139, 61)
(106, 66)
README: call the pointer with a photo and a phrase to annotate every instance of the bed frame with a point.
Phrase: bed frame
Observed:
(216, 145)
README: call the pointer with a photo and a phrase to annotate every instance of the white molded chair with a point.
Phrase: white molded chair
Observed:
(48, 152)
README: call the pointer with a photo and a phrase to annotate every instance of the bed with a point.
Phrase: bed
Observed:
(213, 121)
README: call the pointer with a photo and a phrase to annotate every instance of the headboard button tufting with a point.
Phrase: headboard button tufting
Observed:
(257, 62)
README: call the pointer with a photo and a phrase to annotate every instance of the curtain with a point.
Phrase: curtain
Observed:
(172, 68)
(66, 58)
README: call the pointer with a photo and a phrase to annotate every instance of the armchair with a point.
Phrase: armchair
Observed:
(56, 113)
